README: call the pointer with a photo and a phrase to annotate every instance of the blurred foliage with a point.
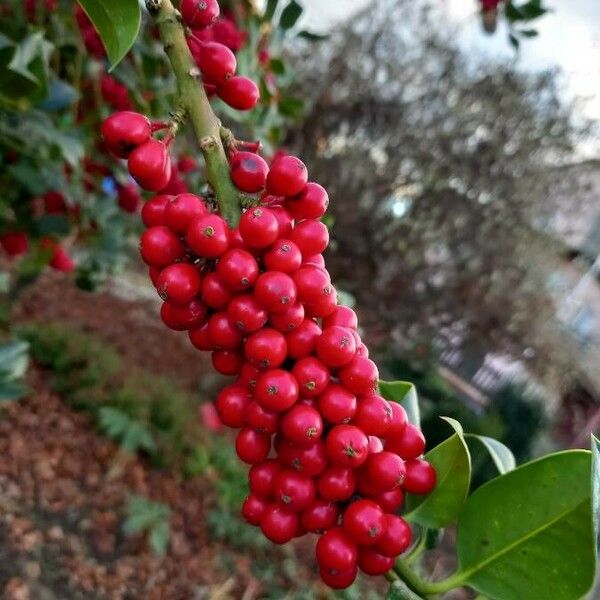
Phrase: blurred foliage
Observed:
(14, 360)
(151, 518)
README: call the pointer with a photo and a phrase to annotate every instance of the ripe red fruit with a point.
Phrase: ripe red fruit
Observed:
(248, 376)
(399, 420)
(181, 317)
(223, 332)
(198, 14)
(342, 316)
(238, 269)
(408, 445)
(385, 470)
(373, 415)
(283, 256)
(150, 165)
(179, 283)
(160, 247)
(251, 446)
(338, 580)
(302, 425)
(289, 319)
(360, 375)
(279, 524)
(258, 227)
(287, 177)
(61, 261)
(276, 390)
(310, 203)
(247, 313)
(317, 260)
(375, 444)
(311, 236)
(284, 219)
(309, 461)
(124, 131)
(312, 376)
(336, 484)
(254, 509)
(249, 171)
(239, 92)
(364, 522)
(275, 291)
(420, 477)
(322, 308)
(347, 446)
(208, 236)
(302, 340)
(313, 283)
(128, 197)
(181, 210)
(214, 292)
(320, 516)
(153, 211)
(266, 348)
(390, 501)
(336, 346)
(261, 420)
(227, 362)
(199, 338)
(293, 490)
(335, 551)
(337, 404)
(261, 478)
(231, 404)
(216, 61)
(373, 563)
(14, 243)
(396, 537)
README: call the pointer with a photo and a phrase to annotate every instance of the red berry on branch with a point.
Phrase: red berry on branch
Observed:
(266, 348)
(312, 376)
(336, 347)
(258, 227)
(335, 551)
(372, 562)
(302, 340)
(338, 580)
(320, 516)
(248, 172)
(15, 243)
(239, 92)
(223, 332)
(181, 210)
(373, 415)
(360, 375)
(363, 522)
(214, 292)
(342, 316)
(420, 477)
(288, 319)
(179, 283)
(199, 338)
(150, 165)
(208, 236)
(128, 197)
(385, 470)
(153, 211)
(124, 131)
(231, 403)
(252, 447)
(254, 509)
(261, 478)
(336, 484)
(160, 247)
(396, 537)
(311, 236)
(283, 256)
(181, 317)
(276, 390)
(347, 446)
(337, 404)
(293, 490)
(227, 362)
(302, 425)
(279, 524)
(247, 313)
(261, 420)
(198, 14)
(237, 269)
(275, 291)
(310, 203)
(216, 61)
(410, 444)
(287, 176)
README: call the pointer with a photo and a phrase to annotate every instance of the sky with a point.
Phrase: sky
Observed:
(569, 38)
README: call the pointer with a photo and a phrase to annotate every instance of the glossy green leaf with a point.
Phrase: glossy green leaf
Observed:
(501, 455)
(528, 534)
(290, 15)
(292, 107)
(452, 463)
(311, 36)
(117, 23)
(404, 393)
(596, 488)
(270, 9)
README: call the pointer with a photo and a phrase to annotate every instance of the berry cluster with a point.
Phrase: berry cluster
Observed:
(328, 454)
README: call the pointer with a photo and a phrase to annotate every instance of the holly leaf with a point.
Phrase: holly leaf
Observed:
(290, 15)
(501, 455)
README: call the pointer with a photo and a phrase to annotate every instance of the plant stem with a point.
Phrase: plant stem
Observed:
(193, 99)
(403, 592)
(426, 588)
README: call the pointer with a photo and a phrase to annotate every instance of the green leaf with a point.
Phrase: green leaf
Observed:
(452, 463)
(12, 390)
(117, 23)
(159, 538)
(14, 359)
(512, 12)
(501, 455)
(292, 107)
(514, 41)
(528, 33)
(270, 10)
(404, 393)
(596, 488)
(290, 15)
(528, 534)
(311, 36)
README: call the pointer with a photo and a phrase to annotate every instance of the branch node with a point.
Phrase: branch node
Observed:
(195, 73)
(208, 143)
(153, 6)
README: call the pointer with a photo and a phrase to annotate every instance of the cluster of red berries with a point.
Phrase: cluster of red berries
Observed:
(216, 60)
(328, 454)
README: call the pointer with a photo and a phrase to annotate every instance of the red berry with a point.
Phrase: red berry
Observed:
(375, 444)
(320, 516)
(385, 470)
(279, 524)
(247, 313)
(336, 484)
(391, 501)
(309, 461)
(373, 415)
(251, 446)
(420, 477)
(231, 403)
(14, 243)
(324, 307)
(335, 551)
(239, 92)
(410, 444)
(150, 165)
(336, 346)
(261, 478)
(311, 236)
(160, 247)
(338, 580)
(289, 319)
(313, 283)
(248, 376)
(316, 260)
(153, 273)
(310, 203)
(373, 563)
(198, 14)
(258, 227)
(284, 219)
(216, 61)
(153, 211)
(200, 339)
(266, 349)
(214, 292)
(302, 425)
(399, 420)
(396, 537)
(261, 420)
(342, 316)
(238, 269)
(364, 522)
(254, 509)
(208, 236)
(179, 283)
(248, 172)
(128, 197)
(337, 404)
(293, 490)
(283, 256)
(61, 261)
(227, 362)
(302, 340)
(181, 317)
(276, 390)
(124, 131)
(347, 446)
(287, 177)
(181, 210)
(275, 291)
(223, 332)
(360, 375)
(312, 376)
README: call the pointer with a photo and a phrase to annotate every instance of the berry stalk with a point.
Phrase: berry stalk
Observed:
(193, 100)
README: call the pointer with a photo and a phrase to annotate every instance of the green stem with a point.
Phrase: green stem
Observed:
(426, 588)
(194, 101)
(403, 592)
(417, 550)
